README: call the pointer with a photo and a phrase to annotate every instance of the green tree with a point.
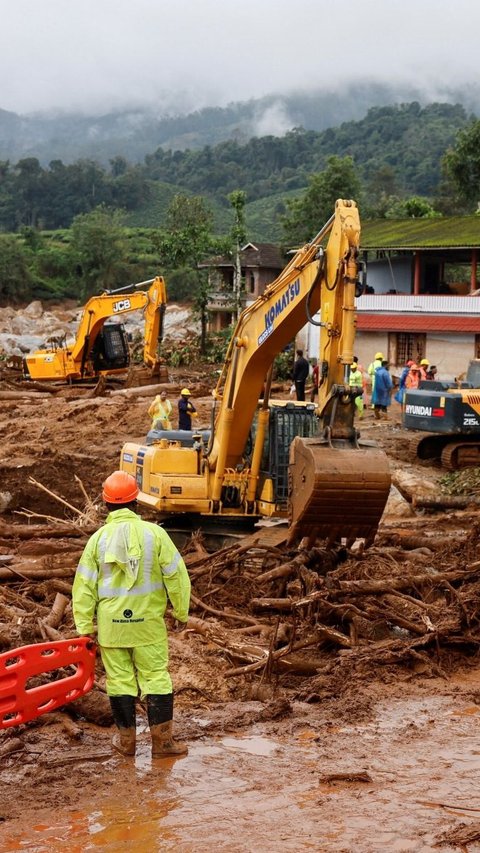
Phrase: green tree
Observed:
(183, 244)
(307, 214)
(98, 240)
(15, 277)
(415, 207)
(462, 163)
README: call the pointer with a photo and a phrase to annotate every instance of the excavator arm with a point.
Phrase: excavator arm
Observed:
(338, 485)
(315, 275)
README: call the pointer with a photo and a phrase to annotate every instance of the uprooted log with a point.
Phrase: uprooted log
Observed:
(26, 396)
(63, 528)
(27, 571)
(444, 501)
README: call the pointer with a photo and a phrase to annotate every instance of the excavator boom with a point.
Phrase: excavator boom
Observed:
(338, 485)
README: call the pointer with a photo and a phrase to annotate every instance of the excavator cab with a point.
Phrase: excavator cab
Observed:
(286, 421)
(110, 350)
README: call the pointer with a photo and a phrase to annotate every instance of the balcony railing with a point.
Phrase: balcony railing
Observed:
(409, 304)
(222, 300)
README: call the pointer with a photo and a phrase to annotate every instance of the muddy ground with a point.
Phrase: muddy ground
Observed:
(374, 748)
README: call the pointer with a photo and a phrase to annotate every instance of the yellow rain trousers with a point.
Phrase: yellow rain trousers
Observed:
(128, 572)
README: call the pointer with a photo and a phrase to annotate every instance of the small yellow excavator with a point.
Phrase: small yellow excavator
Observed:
(101, 347)
(267, 458)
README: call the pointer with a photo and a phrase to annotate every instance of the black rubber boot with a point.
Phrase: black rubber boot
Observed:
(160, 716)
(123, 710)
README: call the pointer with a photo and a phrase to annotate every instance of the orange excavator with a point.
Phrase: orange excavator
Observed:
(272, 458)
(101, 347)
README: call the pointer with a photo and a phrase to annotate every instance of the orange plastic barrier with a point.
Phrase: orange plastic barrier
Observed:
(19, 702)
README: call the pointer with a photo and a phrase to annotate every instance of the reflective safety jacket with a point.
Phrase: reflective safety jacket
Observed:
(129, 605)
(160, 410)
(355, 379)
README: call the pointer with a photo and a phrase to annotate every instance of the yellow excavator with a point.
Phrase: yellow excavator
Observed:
(101, 347)
(267, 458)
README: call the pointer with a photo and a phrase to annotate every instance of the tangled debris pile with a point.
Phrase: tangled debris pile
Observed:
(317, 613)
(301, 619)
(463, 482)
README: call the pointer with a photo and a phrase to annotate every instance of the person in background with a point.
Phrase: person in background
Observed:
(356, 381)
(364, 375)
(160, 410)
(424, 365)
(403, 378)
(412, 378)
(128, 572)
(382, 390)
(314, 391)
(301, 369)
(377, 362)
(186, 410)
(431, 372)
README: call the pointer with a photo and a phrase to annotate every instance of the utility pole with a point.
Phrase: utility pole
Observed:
(237, 200)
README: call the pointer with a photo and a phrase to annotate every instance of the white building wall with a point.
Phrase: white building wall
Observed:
(366, 343)
(450, 353)
(394, 274)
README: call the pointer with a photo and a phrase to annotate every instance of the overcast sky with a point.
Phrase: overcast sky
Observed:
(95, 55)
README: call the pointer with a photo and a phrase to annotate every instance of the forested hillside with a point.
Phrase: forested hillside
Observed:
(395, 150)
(134, 133)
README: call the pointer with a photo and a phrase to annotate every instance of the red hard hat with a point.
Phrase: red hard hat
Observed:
(120, 488)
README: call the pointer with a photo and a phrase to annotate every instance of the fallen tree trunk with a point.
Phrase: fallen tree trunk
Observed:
(260, 605)
(282, 571)
(38, 574)
(444, 501)
(24, 395)
(42, 531)
(382, 586)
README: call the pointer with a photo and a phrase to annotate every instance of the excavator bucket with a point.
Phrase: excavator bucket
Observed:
(338, 491)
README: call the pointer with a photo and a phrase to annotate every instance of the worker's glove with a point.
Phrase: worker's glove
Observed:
(179, 626)
(92, 637)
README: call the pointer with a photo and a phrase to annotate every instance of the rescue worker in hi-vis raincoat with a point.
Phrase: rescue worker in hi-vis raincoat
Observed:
(128, 570)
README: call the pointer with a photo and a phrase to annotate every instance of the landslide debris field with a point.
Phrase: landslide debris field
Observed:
(329, 698)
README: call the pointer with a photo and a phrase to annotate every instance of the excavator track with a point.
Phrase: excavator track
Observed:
(337, 491)
(461, 454)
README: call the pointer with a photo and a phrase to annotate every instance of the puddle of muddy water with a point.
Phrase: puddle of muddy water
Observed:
(258, 793)
(253, 745)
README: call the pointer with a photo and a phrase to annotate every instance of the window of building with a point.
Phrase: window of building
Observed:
(403, 346)
(251, 281)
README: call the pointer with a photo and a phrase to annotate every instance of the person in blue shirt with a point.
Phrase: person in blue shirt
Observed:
(382, 391)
